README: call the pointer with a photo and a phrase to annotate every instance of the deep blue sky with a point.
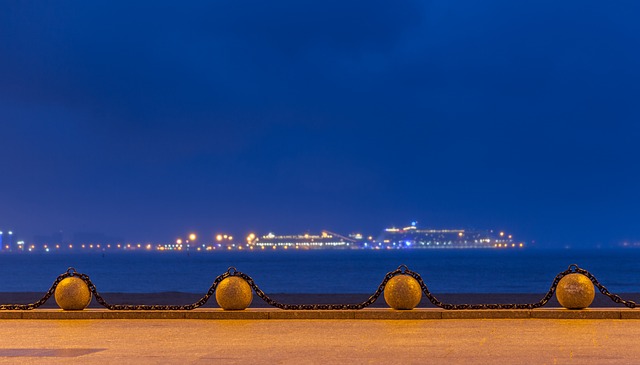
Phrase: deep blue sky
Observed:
(149, 121)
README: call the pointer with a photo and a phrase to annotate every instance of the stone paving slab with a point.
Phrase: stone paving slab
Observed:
(59, 314)
(630, 314)
(591, 313)
(384, 314)
(320, 314)
(369, 314)
(486, 314)
(317, 341)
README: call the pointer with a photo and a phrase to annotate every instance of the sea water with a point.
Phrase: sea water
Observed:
(323, 271)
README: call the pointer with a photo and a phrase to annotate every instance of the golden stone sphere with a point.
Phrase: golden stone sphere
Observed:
(402, 292)
(575, 291)
(72, 293)
(233, 293)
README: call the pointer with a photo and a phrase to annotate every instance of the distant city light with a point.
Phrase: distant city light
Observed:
(390, 238)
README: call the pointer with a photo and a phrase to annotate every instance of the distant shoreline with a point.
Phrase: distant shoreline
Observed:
(180, 298)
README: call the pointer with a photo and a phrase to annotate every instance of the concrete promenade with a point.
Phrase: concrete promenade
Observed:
(296, 340)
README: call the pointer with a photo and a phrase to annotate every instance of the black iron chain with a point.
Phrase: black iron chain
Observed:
(603, 289)
(47, 295)
(133, 307)
(277, 304)
(448, 306)
(401, 270)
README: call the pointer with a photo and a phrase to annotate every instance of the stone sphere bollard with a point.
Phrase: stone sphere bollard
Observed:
(402, 292)
(233, 293)
(575, 291)
(72, 293)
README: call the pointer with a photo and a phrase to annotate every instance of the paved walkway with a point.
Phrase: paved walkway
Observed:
(192, 341)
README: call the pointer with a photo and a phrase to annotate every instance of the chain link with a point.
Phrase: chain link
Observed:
(70, 272)
(448, 306)
(401, 270)
(603, 289)
(134, 307)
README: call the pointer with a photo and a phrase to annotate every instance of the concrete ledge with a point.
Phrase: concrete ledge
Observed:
(59, 314)
(385, 314)
(222, 314)
(11, 314)
(486, 314)
(590, 313)
(630, 314)
(142, 315)
(320, 314)
(365, 314)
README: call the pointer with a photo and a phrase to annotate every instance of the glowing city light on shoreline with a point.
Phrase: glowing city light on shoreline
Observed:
(411, 237)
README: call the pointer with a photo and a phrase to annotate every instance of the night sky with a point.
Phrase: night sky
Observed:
(146, 122)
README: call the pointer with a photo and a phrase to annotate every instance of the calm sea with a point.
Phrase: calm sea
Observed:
(327, 271)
